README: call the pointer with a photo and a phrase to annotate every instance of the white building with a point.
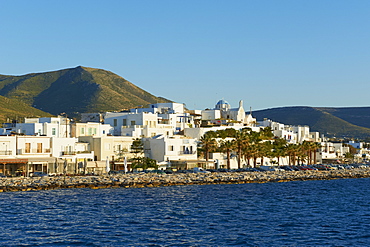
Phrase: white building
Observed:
(162, 118)
(113, 147)
(47, 126)
(28, 154)
(223, 111)
(292, 134)
(91, 129)
(165, 149)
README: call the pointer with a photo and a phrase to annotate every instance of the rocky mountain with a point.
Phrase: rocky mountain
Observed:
(76, 90)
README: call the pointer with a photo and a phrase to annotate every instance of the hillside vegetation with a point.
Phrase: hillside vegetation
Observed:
(318, 119)
(11, 109)
(75, 91)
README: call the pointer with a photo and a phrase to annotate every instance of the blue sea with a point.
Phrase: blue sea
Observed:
(298, 213)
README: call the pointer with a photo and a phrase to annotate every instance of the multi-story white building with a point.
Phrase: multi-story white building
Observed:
(166, 149)
(292, 134)
(162, 118)
(28, 154)
(113, 147)
(91, 129)
(47, 126)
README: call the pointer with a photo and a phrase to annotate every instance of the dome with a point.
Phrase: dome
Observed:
(222, 105)
(222, 102)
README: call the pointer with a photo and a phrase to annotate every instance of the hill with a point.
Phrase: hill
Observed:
(319, 119)
(75, 91)
(356, 115)
(14, 109)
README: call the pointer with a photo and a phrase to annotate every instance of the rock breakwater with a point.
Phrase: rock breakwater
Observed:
(140, 180)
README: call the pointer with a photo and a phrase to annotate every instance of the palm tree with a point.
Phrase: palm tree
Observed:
(266, 133)
(279, 149)
(207, 144)
(292, 151)
(315, 147)
(265, 150)
(241, 140)
(226, 147)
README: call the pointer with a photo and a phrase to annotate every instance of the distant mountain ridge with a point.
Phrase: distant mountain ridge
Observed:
(331, 121)
(75, 90)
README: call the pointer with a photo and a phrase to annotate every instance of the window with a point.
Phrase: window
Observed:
(114, 122)
(39, 148)
(82, 130)
(89, 131)
(94, 131)
(170, 148)
(132, 122)
(124, 122)
(27, 148)
(53, 131)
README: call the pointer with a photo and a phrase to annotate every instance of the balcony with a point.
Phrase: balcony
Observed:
(187, 152)
(75, 152)
(34, 151)
(5, 152)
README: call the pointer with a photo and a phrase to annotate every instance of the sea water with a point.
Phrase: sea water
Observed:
(298, 213)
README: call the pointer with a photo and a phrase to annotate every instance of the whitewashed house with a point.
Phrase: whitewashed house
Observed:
(91, 129)
(166, 149)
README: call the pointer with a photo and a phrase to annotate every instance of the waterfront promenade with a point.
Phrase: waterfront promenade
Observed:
(139, 180)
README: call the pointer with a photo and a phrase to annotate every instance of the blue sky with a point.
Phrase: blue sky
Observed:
(266, 53)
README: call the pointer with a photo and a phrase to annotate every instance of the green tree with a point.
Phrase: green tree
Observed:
(137, 148)
(279, 149)
(207, 144)
(226, 146)
(144, 163)
(241, 141)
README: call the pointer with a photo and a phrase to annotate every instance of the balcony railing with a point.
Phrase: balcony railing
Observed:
(187, 152)
(74, 152)
(34, 151)
(5, 152)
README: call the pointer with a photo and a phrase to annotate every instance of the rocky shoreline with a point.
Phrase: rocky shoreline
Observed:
(140, 180)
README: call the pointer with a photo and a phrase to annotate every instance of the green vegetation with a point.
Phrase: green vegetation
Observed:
(137, 148)
(75, 91)
(249, 146)
(12, 109)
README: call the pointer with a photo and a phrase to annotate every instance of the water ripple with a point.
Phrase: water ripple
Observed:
(299, 213)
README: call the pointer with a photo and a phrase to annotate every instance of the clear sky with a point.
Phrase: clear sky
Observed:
(266, 53)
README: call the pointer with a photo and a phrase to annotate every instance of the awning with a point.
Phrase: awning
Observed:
(42, 159)
(13, 161)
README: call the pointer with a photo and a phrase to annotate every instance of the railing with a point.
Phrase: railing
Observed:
(187, 152)
(34, 151)
(75, 152)
(5, 152)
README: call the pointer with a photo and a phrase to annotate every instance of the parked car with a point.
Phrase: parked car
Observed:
(200, 170)
(286, 168)
(39, 174)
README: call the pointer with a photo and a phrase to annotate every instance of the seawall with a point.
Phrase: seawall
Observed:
(140, 180)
